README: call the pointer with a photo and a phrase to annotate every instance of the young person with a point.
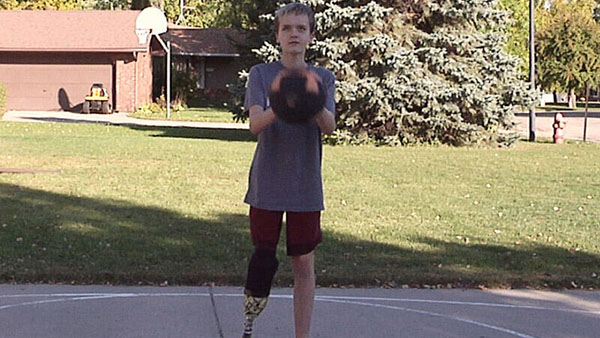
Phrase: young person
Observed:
(285, 176)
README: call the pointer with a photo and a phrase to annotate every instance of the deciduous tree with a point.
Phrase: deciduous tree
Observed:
(568, 47)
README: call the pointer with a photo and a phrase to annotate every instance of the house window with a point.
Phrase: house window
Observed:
(195, 66)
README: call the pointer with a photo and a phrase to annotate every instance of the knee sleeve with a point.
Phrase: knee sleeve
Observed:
(261, 270)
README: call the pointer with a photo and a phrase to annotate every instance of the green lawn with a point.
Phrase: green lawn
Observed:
(199, 114)
(147, 205)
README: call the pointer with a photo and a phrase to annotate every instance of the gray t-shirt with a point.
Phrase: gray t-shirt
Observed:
(286, 170)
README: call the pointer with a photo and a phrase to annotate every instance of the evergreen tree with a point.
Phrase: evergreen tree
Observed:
(467, 86)
(420, 71)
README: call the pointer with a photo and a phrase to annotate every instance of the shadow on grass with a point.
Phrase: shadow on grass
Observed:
(235, 135)
(222, 134)
(352, 261)
(50, 237)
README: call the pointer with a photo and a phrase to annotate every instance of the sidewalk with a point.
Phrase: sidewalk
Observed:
(573, 129)
(105, 311)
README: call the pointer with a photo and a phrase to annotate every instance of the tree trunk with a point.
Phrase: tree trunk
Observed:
(572, 99)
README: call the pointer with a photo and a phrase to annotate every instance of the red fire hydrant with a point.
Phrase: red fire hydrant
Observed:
(559, 125)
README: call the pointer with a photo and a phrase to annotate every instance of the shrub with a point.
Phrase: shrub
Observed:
(160, 106)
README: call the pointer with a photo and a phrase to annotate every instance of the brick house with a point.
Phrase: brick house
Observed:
(50, 59)
(209, 56)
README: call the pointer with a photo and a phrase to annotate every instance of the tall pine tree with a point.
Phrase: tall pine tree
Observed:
(415, 71)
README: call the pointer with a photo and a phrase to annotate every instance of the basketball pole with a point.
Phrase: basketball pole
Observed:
(167, 48)
(152, 20)
(532, 66)
(168, 80)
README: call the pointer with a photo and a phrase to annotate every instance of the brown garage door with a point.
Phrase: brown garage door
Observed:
(52, 86)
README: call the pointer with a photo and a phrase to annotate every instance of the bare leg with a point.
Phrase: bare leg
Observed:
(304, 292)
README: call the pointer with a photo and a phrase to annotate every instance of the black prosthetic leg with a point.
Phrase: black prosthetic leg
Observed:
(261, 270)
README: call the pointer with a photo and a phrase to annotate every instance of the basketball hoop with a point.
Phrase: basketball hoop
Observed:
(142, 34)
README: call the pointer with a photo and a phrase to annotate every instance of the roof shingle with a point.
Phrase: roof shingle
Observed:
(69, 31)
(203, 42)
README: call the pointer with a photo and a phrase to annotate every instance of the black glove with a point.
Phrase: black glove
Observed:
(297, 95)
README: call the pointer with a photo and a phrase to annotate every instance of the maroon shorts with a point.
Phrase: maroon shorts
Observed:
(303, 230)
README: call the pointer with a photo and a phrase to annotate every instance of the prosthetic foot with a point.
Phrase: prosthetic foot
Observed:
(253, 306)
(261, 270)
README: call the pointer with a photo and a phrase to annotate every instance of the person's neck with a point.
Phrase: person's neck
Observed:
(293, 61)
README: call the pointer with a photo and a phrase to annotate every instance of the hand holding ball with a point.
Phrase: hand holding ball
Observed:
(297, 95)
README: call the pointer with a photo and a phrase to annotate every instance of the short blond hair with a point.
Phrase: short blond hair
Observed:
(298, 9)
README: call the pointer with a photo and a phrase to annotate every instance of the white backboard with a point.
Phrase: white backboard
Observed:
(153, 19)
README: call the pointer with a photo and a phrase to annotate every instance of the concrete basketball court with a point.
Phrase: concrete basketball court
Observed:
(65, 311)
(108, 311)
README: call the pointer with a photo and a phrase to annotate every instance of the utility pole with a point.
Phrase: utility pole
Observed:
(532, 66)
